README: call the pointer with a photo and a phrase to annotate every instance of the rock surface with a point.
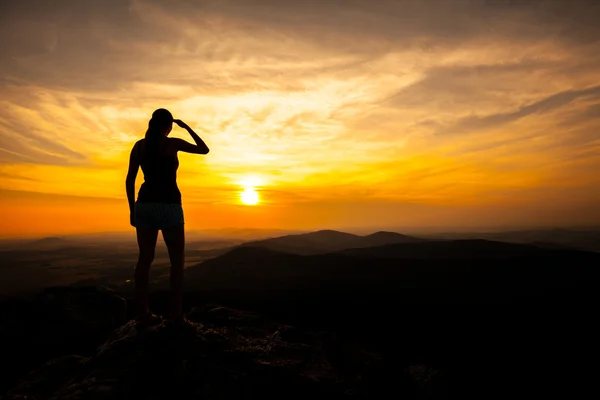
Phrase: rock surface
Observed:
(218, 353)
(56, 322)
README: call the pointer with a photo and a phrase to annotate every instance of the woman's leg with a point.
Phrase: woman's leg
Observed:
(175, 241)
(146, 238)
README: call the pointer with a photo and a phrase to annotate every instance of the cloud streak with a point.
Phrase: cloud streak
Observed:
(542, 106)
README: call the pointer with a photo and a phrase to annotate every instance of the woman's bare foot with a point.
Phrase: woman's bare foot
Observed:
(180, 321)
(148, 319)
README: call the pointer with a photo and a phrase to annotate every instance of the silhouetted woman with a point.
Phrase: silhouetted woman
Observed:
(158, 206)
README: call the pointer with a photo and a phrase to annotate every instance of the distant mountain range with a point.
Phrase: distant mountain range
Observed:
(326, 241)
(48, 243)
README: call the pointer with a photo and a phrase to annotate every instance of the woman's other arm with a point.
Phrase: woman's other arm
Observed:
(182, 145)
(134, 164)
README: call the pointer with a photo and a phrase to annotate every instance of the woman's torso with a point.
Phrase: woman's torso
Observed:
(160, 173)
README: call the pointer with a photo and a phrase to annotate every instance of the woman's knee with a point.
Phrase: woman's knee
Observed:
(145, 259)
(176, 268)
(177, 259)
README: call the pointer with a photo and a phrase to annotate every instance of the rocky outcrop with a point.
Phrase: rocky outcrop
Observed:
(77, 311)
(220, 353)
(57, 321)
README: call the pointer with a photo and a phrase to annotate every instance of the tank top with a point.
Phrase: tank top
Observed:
(160, 177)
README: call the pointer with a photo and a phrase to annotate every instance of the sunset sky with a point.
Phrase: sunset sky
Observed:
(449, 114)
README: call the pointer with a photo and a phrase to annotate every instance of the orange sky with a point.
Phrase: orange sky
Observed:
(338, 113)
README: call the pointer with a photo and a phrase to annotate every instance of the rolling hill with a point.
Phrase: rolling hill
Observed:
(326, 241)
(439, 272)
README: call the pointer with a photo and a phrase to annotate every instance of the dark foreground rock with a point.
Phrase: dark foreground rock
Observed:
(73, 313)
(55, 322)
(221, 353)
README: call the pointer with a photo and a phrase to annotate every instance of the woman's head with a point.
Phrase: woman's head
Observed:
(161, 122)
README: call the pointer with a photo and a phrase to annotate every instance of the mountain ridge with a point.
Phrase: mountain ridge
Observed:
(325, 241)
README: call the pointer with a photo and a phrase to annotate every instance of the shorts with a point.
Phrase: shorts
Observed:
(158, 215)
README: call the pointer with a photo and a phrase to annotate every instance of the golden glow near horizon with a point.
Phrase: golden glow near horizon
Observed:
(423, 116)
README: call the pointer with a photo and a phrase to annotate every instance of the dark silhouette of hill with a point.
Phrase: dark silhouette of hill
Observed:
(327, 241)
(438, 273)
(464, 249)
(306, 243)
(382, 238)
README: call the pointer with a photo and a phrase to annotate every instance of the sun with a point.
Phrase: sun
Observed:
(250, 196)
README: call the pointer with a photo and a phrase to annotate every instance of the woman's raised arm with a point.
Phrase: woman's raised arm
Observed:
(199, 148)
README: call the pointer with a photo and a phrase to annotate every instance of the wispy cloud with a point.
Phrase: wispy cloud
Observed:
(545, 105)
